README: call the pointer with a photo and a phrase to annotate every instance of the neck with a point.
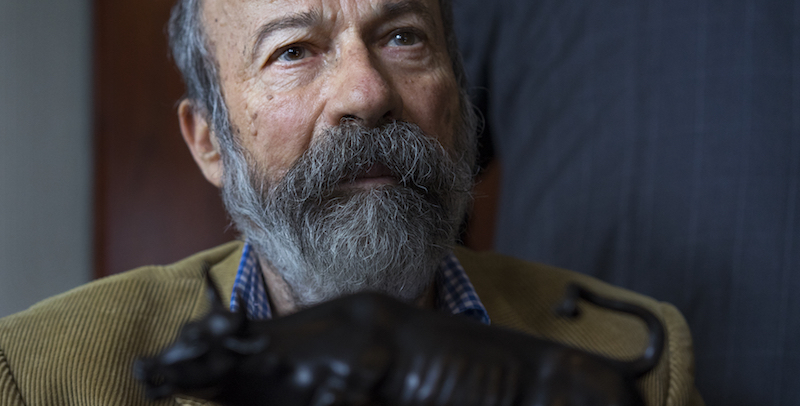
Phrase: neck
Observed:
(283, 303)
(280, 294)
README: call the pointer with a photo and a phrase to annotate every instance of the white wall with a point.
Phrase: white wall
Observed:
(45, 149)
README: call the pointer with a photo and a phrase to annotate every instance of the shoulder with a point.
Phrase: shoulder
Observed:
(515, 291)
(142, 292)
(88, 338)
(522, 295)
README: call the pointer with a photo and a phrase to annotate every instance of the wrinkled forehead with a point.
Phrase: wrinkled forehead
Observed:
(240, 21)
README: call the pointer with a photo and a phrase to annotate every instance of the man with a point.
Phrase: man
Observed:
(343, 143)
(313, 148)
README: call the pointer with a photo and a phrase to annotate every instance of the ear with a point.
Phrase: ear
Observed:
(202, 143)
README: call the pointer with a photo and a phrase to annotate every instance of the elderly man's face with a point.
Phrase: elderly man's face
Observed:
(347, 159)
(289, 69)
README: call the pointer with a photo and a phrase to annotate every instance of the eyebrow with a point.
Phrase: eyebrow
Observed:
(404, 7)
(308, 19)
(296, 20)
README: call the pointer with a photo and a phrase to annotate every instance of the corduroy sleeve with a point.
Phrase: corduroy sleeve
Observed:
(681, 389)
(9, 392)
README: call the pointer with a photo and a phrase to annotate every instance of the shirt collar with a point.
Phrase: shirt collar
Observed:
(454, 292)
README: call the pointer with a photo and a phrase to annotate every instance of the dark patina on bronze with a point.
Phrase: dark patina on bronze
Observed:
(370, 349)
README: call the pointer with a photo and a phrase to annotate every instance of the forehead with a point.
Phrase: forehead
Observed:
(249, 15)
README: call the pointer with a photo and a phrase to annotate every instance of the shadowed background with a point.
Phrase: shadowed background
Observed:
(45, 149)
(655, 144)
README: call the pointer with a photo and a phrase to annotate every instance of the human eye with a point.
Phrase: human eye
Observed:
(292, 53)
(405, 38)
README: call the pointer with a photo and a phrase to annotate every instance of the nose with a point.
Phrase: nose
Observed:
(362, 90)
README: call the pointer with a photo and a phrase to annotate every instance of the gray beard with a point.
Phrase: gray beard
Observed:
(326, 241)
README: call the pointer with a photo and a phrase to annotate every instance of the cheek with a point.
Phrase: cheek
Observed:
(433, 105)
(280, 130)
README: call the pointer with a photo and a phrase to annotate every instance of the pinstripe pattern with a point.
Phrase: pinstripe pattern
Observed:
(655, 144)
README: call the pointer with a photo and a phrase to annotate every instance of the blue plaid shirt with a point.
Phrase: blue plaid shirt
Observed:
(454, 292)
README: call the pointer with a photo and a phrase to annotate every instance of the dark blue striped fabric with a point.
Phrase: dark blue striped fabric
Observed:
(656, 145)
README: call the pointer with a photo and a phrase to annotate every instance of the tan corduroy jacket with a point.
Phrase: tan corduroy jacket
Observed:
(78, 348)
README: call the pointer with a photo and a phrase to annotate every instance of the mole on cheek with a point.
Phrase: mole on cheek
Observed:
(269, 97)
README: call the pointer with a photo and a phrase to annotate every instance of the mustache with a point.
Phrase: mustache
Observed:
(326, 240)
(342, 153)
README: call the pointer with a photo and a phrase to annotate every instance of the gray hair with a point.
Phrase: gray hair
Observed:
(325, 244)
(326, 241)
(197, 63)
